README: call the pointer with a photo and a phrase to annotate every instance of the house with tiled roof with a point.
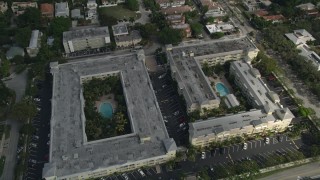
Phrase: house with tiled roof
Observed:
(185, 28)
(47, 10)
(274, 18)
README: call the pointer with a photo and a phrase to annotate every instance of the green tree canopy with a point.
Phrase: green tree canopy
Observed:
(217, 35)
(31, 17)
(59, 25)
(24, 110)
(4, 68)
(170, 36)
(133, 5)
(22, 36)
(196, 28)
(6, 95)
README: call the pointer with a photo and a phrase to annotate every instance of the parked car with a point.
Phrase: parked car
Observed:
(141, 172)
(203, 155)
(267, 140)
(245, 146)
(125, 176)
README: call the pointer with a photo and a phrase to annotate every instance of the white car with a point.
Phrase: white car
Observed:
(203, 155)
(141, 172)
(176, 113)
(267, 140)
(37, 99)
(245, 146)
(124, 175)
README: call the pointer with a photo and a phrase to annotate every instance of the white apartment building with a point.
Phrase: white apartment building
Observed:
(269, 114)
(34, 44)
(71, 155)
(86, 38)
(185, 64)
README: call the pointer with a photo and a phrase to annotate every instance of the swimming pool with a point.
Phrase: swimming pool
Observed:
(106, 110)
(222, 89)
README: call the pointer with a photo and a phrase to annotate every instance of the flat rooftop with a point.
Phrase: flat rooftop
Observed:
(120, 29)
(235, 121)
(86, 33)
(70, 153)
(215, 46)
(190, 76)
(251, 79)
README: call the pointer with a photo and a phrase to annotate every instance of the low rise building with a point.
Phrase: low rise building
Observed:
(274, 18)
(120, 30)
(221, 27)
(109, 3)
(76, 14)
(269, 114)
(18, 8)
(91, 14)
(251, 5)
(176, 10)
(92, 4)
(130, 40)
(310, 55)
(176, 19)
(306, 6)
(214, 9)
(300, 36)
(3, 6)
(62, 9)
(34, 44)
(14, 51)
(71, 155)
(86, 38)
(47, 10)
(185, 29)
(170, 3)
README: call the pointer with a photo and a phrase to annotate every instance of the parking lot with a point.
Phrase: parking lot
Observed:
(39, 146)
(134, 175)
(172, 109)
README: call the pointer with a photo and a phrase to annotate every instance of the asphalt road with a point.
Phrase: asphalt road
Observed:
(308, 170)
(41, 123)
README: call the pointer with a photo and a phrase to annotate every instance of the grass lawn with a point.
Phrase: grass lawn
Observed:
(119, 12)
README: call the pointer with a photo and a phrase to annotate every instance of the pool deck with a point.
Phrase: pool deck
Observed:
(220, 79)
(107, 98)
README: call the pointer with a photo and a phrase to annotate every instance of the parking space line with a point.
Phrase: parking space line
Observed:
(294, 144)
(237, 147)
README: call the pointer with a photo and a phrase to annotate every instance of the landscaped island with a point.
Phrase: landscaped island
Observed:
(105, 108)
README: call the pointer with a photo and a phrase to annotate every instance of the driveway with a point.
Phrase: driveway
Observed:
(18, 83)
(144, 14)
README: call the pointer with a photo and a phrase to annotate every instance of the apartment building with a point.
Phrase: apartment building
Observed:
(86, 38)
(130, 40)
(71, 155)
(268, 115)
(18, 8)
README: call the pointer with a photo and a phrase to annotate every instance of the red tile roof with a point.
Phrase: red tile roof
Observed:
(46, 8)
(261, 13)
(273, 17)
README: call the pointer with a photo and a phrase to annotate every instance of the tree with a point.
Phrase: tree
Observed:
(24, 110)
(217, 35)
(204, 9)
(22, 36)
(106, 20)
(133, 5)
(4, 68)
(31, 17)
(6, 95)
(59, 25)
(196, 28)
(226, 18)
(210, 20)
(170, 36)
(131, 20)
(120, 121)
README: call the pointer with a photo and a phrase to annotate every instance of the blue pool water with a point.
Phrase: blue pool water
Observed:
(106, 110)
(223, 91)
